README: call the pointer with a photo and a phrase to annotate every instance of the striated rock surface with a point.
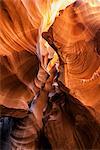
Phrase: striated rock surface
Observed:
(21, 25)
(77, 44)
(76, 39)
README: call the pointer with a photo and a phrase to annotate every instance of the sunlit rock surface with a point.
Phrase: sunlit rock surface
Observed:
(76, 34)
(21, 25)
(76, 38)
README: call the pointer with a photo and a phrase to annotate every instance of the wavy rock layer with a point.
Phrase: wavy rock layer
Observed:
(20, 37)
(77, 44)
(18, 62)
(21, 25)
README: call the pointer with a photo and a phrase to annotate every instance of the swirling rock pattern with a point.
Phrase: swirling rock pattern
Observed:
(21, 24)
(76, 41)
(78, 44)
(18, 62)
